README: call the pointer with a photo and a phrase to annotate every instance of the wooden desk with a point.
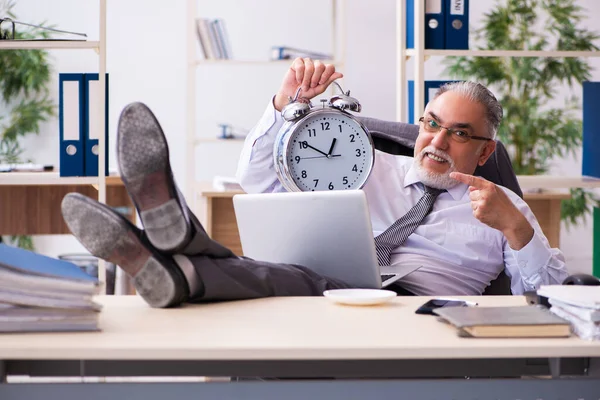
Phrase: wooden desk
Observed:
(32, 207)
(286, 337)
(215, 210)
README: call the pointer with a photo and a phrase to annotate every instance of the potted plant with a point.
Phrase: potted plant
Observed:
(533, 130)
(24, 79)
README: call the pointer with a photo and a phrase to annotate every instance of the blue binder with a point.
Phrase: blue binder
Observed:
(71, 118)
(457, 24)
(431, 88)
(92, 133)
(434, 24)
(591, 130)
(410, 24)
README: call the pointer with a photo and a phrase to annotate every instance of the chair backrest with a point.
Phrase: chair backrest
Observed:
(399, 138)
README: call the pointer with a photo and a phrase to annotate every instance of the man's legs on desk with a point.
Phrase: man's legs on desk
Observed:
(172, 260)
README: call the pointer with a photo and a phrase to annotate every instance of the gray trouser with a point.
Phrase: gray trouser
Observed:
(224, 276)
(236, 278)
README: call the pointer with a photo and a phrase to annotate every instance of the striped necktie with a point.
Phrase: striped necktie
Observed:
(396, 234)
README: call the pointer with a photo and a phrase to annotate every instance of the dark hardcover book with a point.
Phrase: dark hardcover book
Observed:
(505, 322)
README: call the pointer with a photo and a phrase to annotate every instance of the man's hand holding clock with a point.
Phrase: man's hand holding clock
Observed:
(312, 76)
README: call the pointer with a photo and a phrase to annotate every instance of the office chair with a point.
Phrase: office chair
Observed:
(399, 138)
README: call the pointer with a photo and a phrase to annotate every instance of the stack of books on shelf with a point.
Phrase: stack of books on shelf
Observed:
(214, 42)
(43, 294)
(580, 305)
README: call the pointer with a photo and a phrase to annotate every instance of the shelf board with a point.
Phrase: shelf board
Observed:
(53, 44)
(557, 182)
(51, 178)
(504, 53)
(254, 62)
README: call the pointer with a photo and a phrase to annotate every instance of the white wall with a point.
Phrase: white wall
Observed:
(147, 62)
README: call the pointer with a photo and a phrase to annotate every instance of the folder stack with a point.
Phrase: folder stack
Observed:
(43, 294)
(580, 305)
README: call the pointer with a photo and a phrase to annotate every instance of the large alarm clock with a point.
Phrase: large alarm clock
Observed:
(323, 147)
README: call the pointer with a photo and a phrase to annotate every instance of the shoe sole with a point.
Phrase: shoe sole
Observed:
(107, 235)
(143, 156)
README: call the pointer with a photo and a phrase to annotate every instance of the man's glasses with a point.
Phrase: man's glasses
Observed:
(431, 125)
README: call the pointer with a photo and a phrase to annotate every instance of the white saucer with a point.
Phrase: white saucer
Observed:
(359, 297)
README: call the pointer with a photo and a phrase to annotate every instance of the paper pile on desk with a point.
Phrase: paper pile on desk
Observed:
(41, 294)
(580, 305)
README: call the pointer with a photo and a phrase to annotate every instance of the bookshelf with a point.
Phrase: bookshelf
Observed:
(44, 178)
(548, 185)
(419, 53)
(196, 66)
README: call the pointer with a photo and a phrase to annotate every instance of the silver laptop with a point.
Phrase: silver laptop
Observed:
(327, 231)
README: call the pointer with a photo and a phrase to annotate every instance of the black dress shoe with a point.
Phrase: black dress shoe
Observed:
(143, 158)
(108, 235)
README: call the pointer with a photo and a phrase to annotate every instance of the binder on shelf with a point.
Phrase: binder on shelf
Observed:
(431, 88)
(222, 38)
(435, 22)
(457, 24)
(410, 24)
(591, 130)
(92, 127)
(71, 120)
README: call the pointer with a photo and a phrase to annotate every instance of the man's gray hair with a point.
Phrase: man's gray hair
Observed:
(478, 93)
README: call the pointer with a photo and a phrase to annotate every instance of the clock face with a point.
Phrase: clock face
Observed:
(329, 151)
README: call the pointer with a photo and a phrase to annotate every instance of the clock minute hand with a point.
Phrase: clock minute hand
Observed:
(314, 148)
(311, 158)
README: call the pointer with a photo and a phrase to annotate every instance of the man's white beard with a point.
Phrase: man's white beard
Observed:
(435, 179)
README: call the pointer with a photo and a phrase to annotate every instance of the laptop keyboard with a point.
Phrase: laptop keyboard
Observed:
(385, 277)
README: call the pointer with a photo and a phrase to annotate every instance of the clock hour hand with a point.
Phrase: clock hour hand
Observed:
(331, 148)
(314, 148)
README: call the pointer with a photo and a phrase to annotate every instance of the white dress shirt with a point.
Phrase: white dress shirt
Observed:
(456, 253)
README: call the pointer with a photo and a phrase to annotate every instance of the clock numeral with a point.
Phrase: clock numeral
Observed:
(303, 145)
(297, 158)
(324, 126)
(345, 180)
(312, 133)
(354, 169)
(358, 152)
(340, 126)
(330, 186)
(352, 139)
(316, 181)
(304, 174)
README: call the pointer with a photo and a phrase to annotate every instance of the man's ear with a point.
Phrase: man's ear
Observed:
(487, 151)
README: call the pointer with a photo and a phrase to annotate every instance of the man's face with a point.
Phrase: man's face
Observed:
(438, 154)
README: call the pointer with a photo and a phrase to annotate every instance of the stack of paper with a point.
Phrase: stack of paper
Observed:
(580, 305)
(39, 293)
(224, 183)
